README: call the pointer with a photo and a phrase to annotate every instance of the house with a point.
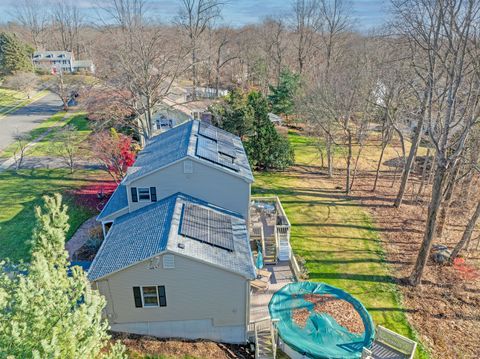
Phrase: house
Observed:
(194, 158)
(54, 61)
(180, 267)
(176, 258)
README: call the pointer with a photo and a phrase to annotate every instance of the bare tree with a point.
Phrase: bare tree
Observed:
(467, 234)
(32, 15)
(66, 145)
(21, 143)
(335, 22)
(68, 21)
(306, 21)
(445, 37)
(66, 87)
(144, 61)
(22, 81)
(195, 16)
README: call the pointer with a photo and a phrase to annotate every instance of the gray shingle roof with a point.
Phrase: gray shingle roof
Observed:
(178, 143)
(117, 201)
(142, 234)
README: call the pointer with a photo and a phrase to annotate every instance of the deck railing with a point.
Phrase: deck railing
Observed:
(282, 227)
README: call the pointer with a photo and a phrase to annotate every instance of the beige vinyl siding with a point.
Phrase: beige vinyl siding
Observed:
(194, 291)
(206, 183)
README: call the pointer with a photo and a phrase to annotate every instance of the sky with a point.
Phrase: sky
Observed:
(366, 13)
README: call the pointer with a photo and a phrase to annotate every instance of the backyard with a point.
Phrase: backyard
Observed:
(336, 236)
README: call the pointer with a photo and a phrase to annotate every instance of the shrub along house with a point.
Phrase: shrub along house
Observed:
(176, 259)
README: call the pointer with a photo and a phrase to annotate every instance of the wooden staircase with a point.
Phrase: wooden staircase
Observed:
(264, 335)
(270, 255)
(265, 346)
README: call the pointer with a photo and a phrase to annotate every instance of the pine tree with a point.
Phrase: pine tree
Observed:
(14, 55)
(282, 97)
(266, 148)
(51, 311)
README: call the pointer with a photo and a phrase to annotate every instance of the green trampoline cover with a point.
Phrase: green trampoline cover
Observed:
(322, 336)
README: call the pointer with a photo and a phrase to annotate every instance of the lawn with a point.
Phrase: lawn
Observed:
(21, 192)
(335, 236)
(45, 146)
(11, 100)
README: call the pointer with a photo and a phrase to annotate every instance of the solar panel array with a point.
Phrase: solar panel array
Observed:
(216, 146)
(207, 226)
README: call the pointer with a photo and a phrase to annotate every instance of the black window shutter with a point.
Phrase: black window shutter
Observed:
(137, 296)
(134, 194)
(162, 296)
(153, 194)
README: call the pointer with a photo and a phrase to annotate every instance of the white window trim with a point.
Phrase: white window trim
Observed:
(156, 292)
(149, 195)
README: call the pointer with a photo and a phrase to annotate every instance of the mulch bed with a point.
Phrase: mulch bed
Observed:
(176, 348)
(342, 311)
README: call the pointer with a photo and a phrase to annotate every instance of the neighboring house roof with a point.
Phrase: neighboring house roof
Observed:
(187, 140)
(52, 55)
(117, 202)
(153, 229)
(83, 63)
(275, 118)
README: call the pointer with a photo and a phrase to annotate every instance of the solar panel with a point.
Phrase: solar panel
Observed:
(207, 226)
(227, 150)
(208, 131)
(210, 150)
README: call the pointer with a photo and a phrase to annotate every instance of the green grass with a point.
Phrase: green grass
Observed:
(21, 192)
(336, 237)
(11, 100)
(47, 144)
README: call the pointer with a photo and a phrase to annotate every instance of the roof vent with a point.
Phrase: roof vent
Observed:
(168, 261)
(187, 166)
(181, 245)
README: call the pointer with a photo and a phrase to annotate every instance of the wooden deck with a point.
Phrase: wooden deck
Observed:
(281, 275)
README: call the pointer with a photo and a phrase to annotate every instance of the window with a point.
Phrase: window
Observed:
(150, 296)
(144, 194)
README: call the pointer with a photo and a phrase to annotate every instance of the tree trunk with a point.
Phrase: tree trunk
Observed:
(436, 201)
(355, 167)
(409, 164)
(329, 157)
(384, 145)
(194, 71)
(424, 174)
(447, 201)
(349, 163)
(467, 235)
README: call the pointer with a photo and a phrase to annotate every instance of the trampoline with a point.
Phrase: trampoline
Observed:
(319, 335)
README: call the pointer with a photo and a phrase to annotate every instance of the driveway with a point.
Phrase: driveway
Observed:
(27, 118)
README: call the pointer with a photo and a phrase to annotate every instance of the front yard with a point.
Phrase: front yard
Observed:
(21, 192)
(336, 237)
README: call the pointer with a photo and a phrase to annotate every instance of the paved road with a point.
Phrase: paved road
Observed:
(27, 118)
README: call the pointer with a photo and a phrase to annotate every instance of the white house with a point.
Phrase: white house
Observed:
(54, 61)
